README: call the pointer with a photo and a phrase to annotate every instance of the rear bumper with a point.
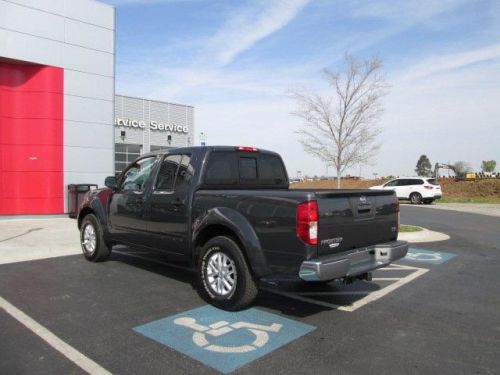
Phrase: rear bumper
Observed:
(352, 264)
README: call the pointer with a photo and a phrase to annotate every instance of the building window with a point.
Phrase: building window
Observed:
(125, 154)
(159, 148)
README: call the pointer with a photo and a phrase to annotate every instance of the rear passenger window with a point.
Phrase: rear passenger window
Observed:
(166, 175)
(222, 169)
(271, 170)
(416, 182)
(184, 174)
(252, 169)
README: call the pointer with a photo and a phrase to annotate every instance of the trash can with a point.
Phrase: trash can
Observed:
(75, 195)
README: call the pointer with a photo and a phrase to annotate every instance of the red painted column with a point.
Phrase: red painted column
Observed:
(31, 139)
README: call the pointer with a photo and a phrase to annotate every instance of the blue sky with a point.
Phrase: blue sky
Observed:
(236, 61)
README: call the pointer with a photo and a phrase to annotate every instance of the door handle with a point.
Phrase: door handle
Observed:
(177, 202)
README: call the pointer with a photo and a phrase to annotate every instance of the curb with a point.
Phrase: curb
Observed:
(425, 235)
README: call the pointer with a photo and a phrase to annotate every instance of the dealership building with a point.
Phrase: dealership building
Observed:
(60, 120)
(143, 125)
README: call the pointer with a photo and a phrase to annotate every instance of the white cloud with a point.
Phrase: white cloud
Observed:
(449, 62)
(248, 26)
(244, 28)
(444, 105)
(145, 2)
(410, 11)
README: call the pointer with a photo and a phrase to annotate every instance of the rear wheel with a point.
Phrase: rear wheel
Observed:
(94, 247)
(225, 280)
(416, 198)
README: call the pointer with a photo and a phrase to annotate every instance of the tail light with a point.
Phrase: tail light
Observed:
(398, 210)
(307, 222)
(429, 187)
(246, 149)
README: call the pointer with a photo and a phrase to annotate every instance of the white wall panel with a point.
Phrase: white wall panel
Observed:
(25, 47)
(52, 6)
(77, 35)
(27, 20)
(82, 178)
(147, 110)
(86, 178)
(88, 160)
(92, 12)
(87, 35)
(88, 110)
(89, 61)
(88, 85)
(82, 134)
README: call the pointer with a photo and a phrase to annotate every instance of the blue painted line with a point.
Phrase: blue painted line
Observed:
(428, 256)
(224, 340)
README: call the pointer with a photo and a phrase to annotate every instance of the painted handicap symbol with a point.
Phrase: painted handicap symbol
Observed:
(429, 257)
(221, 339)
(221, 328)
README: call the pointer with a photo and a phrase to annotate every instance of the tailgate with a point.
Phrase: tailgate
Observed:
(356, 218)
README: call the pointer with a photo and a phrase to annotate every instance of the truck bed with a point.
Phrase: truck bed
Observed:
(348, 219)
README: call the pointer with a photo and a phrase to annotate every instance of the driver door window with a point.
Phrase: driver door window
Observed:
(137, 175)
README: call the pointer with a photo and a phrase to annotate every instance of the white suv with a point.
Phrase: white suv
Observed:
(415, 189)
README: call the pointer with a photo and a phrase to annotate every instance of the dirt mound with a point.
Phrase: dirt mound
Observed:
(487, 188)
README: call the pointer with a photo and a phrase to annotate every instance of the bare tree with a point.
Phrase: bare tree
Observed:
(340, 127)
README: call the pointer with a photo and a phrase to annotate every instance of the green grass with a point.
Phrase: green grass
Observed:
(494, 200)
(409, 228)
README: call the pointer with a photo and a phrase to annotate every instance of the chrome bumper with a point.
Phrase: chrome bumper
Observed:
(352, 264)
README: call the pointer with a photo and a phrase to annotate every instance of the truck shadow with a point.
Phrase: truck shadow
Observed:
(155, 262)
(298, 298)
(290, 296)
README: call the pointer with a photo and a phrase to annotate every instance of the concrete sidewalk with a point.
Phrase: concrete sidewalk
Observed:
(473, 208)
(30, 239)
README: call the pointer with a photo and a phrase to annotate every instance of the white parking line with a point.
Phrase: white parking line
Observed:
(369, 296)
(65, 349)
(342, 293)
(384, 291)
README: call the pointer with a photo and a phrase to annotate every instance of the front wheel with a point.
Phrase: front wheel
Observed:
(416, 198)
(224, 277)
(94, 247)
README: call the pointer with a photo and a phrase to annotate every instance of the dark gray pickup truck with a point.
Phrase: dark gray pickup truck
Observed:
(229, 212)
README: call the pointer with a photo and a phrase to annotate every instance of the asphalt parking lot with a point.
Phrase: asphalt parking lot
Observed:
(437, 311)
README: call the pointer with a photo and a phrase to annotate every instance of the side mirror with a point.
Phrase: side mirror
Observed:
(110, 182)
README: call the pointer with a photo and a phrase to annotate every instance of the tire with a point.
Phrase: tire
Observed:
(94, 247)
(237, 288)
(416, 198)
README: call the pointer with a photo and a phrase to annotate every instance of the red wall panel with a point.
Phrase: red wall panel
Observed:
(31, 139)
